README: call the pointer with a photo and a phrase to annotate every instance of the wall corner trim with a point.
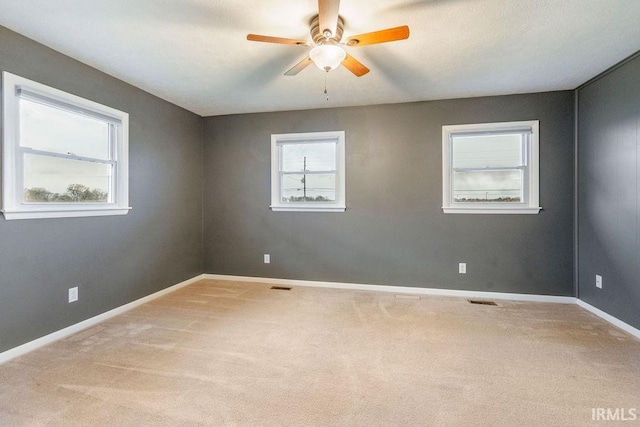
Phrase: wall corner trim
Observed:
(70, 330)
(609, 318)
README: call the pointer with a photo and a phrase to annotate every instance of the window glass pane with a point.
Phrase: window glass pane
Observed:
(487, 151)
(308, 187)
(487, 186)
(310, 157)
(48, 128)
(57, 180)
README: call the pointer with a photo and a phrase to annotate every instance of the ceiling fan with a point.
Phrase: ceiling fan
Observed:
(326, 32)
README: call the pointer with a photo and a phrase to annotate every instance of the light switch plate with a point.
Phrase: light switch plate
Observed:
(73, 294)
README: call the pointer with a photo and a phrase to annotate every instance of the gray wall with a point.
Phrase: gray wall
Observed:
(394, 231)
(113, 260)
(608, 183)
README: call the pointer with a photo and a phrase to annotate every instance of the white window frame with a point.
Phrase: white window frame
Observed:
(277, 140)
(13, 206)
(530, 204)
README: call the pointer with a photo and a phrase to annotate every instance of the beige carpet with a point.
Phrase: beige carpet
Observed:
(228, 353)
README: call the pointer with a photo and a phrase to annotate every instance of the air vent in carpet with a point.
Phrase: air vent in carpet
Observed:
(281, 288)
(481, 302)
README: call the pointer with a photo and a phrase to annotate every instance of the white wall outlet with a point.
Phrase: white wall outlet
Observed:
(267, 259)
(598, 281)
(462, 268)
(73, 294)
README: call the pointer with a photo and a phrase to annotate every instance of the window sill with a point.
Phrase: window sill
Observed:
(491, 210)
(67, 213)
(308, 208)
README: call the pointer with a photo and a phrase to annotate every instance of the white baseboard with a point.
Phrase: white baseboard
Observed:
(437, 292)
(398, 289)
(70, 330)
(609, 318)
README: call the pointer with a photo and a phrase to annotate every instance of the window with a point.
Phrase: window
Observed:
(307, 172)
(490, 168)
(63, 156)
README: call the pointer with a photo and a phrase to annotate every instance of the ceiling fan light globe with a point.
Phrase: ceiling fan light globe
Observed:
(327, 57)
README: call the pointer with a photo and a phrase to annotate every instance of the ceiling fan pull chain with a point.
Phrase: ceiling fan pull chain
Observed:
(325, 85)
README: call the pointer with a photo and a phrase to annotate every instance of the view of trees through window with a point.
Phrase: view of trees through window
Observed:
(75, 193)
(306, 199)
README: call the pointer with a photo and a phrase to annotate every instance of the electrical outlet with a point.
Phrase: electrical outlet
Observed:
(73, 294)
(462, 268)
(267, 259)
(598, 281)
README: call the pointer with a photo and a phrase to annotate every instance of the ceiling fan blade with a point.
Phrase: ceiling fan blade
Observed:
(299, 67)
(328, 15)
(382, 36)
(355, 66)
(278, 40)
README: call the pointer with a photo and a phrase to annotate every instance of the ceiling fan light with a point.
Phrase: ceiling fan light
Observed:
(327, 57)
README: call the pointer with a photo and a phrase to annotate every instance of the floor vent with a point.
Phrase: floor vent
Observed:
(281, 288)
(481, 302)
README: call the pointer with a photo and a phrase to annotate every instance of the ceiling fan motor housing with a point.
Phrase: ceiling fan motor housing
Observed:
(317, 35)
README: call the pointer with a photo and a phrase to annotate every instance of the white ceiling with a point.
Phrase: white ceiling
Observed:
(194, 53)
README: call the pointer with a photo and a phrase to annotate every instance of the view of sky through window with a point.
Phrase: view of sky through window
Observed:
(308, 172)
(48, 128)
(319, 156)
(488, 168)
